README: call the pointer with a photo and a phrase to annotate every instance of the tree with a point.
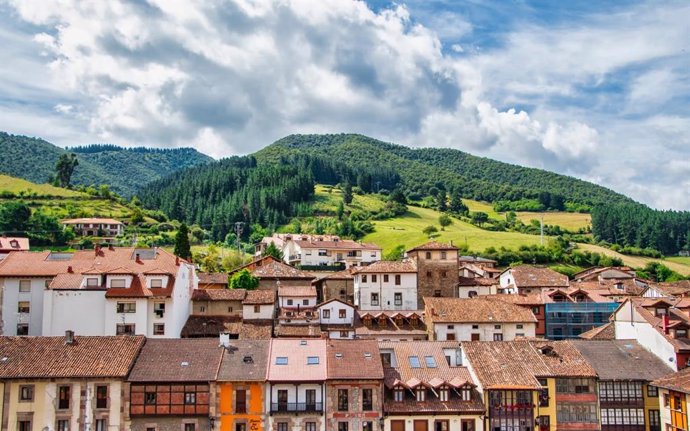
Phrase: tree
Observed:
(137, 216)
(429, 230)
(441, 199)
(243, 280)
(479, 218)
(14, 217)
(444, 220)
(340, 210)
(182, 247)
(347, 193)
(396, 254)
(398, 196)
(457, 206)
(64, 168)
(274, 251)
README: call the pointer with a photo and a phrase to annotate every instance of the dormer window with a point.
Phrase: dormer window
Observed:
(558, 298)
(118, 282)
(382, 321)
(579, 298)
(92, 282)
(660, 311)
(681, 333)
(398, 393)
(414, 320)
(443, 393)
(156, 283)
(420, 392)
(367, 321)
(399, 321)
(466, 393)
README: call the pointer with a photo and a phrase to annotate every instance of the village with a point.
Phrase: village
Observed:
(335, 338)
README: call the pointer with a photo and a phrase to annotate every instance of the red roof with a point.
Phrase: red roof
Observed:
(13, 244)
(91, 221)
(434, 245)
(298, 367)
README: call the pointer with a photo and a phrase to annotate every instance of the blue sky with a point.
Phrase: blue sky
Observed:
(594, 89)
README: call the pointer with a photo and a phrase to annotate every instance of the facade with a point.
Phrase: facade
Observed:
(338, 285)
(598, 273)
(477, 319)
(273, 275)
(102, 227)
(571, 312)
(672, 290)
(315, 252)
(296, 385)
(437, 270)
(427, 388)
(241, 386)
(213, 280)
(63, 383)
(406, 325)
(533, 302)
(173, 386)
(354, 386)
(297, 297)
(674, 397)
(531, 279)
(386, 285)
(469, 287)
(337, 319)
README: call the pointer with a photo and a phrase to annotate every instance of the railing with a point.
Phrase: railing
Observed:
(321, 267)
(296, 407)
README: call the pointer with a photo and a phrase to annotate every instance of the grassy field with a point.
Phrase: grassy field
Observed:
(679, 259)
(678, 264)
(327, 198)
(19, 186)
(407, 230)
(569, 221)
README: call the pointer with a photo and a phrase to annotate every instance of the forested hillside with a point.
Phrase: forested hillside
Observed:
(124, 170)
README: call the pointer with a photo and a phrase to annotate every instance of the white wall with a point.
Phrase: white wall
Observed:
(334, 307)
(336, 334)
(265, 312)
(506, 279)
(386, 291)
(464, 291)
(297, 300)
(486, 331)
(81, 311)
(296, 393)
(10, 301)
(177, 313)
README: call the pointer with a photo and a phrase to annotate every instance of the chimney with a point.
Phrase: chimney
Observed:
(137, 258)
(70, 270)
(97, 249)
(69, 337)
(110, 247)
(177, 261)
(664, 321)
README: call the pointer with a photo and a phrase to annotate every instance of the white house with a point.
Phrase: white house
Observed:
(259, 305)
(477, 319)
(337, 318)
(386, 285)
(529, 279)
(329, 251)
(297, 297)
(95, 226)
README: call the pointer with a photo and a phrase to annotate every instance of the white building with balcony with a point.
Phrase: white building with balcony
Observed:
(316, 251)
(386, 285)
(103, 227)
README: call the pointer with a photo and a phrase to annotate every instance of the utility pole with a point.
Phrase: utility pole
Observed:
(239, 227)
(542, 229)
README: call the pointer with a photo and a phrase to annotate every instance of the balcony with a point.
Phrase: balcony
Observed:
(296, 408)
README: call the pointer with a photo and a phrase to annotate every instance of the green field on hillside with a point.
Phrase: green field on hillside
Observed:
(678, 264)
(19, 186)
(326, 199)
(566, 220)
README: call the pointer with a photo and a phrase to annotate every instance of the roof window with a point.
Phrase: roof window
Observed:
(312, 360)
(281, 360)
(414, 362)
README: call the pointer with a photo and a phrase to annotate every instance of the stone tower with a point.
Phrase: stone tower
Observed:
(437, 270)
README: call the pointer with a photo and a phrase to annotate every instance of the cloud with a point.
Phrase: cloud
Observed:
(229, 77)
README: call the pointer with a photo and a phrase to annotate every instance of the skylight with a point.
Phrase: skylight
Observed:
(414, 362)
(430, 361)
(59, 256)
(312, 360)
(281, 360)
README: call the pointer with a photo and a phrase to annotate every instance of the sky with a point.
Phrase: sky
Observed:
(599, 90)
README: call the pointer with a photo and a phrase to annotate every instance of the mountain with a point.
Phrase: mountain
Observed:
(124, 169)
(421, 169)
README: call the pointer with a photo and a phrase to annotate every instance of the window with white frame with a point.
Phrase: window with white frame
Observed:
(25, 286)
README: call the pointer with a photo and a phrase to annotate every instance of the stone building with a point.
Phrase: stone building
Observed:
(437, 270)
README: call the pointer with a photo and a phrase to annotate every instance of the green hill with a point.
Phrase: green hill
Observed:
(125, 170)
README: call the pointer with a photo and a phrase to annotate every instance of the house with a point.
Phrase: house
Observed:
(324, 253)
(298, 316)
(259, 305)
(529, 279)
(660, 325)
(280, 240)
(173, 385)
(337, 285)
(598, 273)
(386, 285)
(479, 267)
(218, 302)
(427, 388)
(337, 319)
(674, 397)
(437, 269)
(63, 383)
(353, 386)
(9, 244)
(625, 369)
(572, 311)
(100, 227)
(274, 274)
(477, 319)
(241, 385)
(534, 383)
(673, 289)
(296, 297)
(255, 263)
(534, 302)
(402, 325)
(615, 290)
(213, 280)
(469, 287)
(296, 379)
(106, 291)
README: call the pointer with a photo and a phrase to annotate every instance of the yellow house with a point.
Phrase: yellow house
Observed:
(241, 381)
(674, 394)
(64, 383)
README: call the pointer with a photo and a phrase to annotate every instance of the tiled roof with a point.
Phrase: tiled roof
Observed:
(675, 316)
(51, 357)
(433, 406)
(678, 381)
(517, 299)
(475, 310)
(178, 360)
(218, 294)
(91, 221)
(535, 276)
(254, 264)
(259, 297)
(138, 289)
(391, 327)
(68, 280)
(434, 245)
(274, 269)
(476, 259)
(627, 287)
(206, 278)
(346, 274)
(621, 360)
(256, 330)
(296, 291)
(297, 351)
(595, 272)
(342, 244)
(210, 326)
(674, 288)
(244, 360)
(298, 331)
(603, 332)
(383, 266)
(8, 243)
(354, 359)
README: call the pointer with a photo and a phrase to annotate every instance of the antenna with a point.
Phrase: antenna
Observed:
(239, 227)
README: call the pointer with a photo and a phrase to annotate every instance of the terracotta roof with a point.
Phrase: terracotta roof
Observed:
(354, 359)
(296, 369)
(254, 263)
(298, 331)
(434, 245)
(259, 297)
(675, 316)
(535, 276)
(595, 272)
(384, 266)
(178, 360)
(621, 360)
(256, 330)
(91, 221)
(69, 281)
(51, 357)
(475, 310)
(274, 269)
(603, 332)
(674, 288)
(341, 244)
(244, 360)
(138, 289)
(335, 300)
(391, 328)
(346, 274)
(219, 294)
(210, 326)
(206, 278)
(296, 291)
(517, 299)
(476, 259)
(8, 243)
(678, 381)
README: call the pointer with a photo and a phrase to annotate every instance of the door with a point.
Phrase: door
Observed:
(398, 425)
(441, 425)
(467, 424)
(282, 400)
(421, 425)
(311, 399)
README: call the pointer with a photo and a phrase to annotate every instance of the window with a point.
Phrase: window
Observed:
(62, 425)
(342, 314)
(498, 337)
(367, 426)
(190, 398)
(156, 283)
(289, 302)
(312, 360)
(241, 401)
(535, 311)
(25, 285)
(497, 326)
(386, 359)
(428, 274)
(428, 255)
(257, 309)
(190, 426)
(373, 278)
(101, 425)
(399, 394)
(342, 400)
(323, 253)
(443, 255)
(654, 419)
(26, 393)
(91, 282)
(344, 334)
(310, 398)
(397, 298)
(64, 397)
(367, 400)
(326, 314)
(518, 326)
(118, 282)
(364, 278)
(101, 397)
(342, 426)
(414, 361)
(305, 302)
(472, 294)
(583, 386)
(466, 393)
(421, 394)
(22, 329)
(24, 425)
(124, 329)
(310, 426)
(149, 398)
(202, 309)
(475, 326)
(374, 299)
(126, 307)
(443, 394)
(159, 329)
(430, 361)
(385, 278)
(652, 391)
(25, 307)
(444, 274)
(397, 279)
(437, 293)
(281, 360)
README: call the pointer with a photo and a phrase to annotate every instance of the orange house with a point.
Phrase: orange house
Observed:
(241, 380)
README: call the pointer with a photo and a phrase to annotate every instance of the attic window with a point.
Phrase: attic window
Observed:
(367, 355)
(660, 311)
(312, 360)
(248, 360)
(184, 364)
(414, 362)
(339, 355)
(281, 360)
(303, 342)
(430, 361)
